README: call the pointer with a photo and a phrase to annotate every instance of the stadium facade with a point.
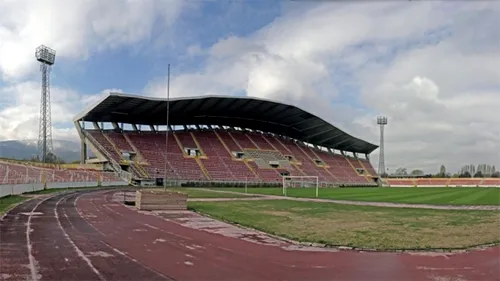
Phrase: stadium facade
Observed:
(220, 139)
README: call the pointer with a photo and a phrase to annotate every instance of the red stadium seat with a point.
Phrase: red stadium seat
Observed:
(219, 157)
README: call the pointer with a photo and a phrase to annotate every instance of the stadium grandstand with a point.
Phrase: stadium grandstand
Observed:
(19, 172)
(17, 176)
(218, 139)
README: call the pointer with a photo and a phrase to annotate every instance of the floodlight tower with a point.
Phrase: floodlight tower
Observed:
(46, 56)
(382, 122)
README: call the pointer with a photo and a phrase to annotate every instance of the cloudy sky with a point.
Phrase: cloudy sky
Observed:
(431, 67)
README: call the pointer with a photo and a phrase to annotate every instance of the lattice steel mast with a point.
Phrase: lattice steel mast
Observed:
(46, 56)
(382, 122)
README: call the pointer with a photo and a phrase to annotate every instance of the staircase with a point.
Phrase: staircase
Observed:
(366, 174)
(307, 155)
(284, 146)
(112, 144)
(298, 169)
(316, 155)
(364, 168)
(205, 172)
(137, 152)
(251, 169)
(235, 141)
(251, 140)
(134, 167)
(140, 170)
(179, 144)
(103, 151)
(197, 143)
(352, 166)
(224, 144)
(330, 173)
(126, 176)
(272, 145)
(134, 170)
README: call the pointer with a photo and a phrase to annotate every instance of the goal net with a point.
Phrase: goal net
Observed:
(300, 182)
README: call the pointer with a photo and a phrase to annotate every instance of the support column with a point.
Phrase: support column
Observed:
(83, 144)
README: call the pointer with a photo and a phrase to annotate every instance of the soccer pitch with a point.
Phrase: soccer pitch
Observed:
(360, 226)
(412, 195)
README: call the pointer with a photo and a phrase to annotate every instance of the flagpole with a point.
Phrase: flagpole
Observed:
(166, 134)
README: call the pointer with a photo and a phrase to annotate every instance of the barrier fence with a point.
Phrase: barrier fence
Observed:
(16, 189)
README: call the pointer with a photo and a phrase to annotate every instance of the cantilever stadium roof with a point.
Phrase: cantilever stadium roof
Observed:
(244, 112)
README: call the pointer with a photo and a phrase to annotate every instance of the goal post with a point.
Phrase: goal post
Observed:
(300, 182)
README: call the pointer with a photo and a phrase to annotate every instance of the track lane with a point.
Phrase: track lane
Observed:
(473, 265)
(63, 246)
(223, 258)
(13, 242)
(123, 244)
(109, 264)
(53, 251)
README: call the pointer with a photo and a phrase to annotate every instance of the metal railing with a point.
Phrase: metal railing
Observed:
(116, 166)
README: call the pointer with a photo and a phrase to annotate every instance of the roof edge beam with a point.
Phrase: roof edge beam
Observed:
(350, 145)
(320, 133)
(311, 127)
(303, 121)
(340, 142)
(331, 138)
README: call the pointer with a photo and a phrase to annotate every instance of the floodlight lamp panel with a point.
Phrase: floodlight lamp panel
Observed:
(45, 55)
(382, 120)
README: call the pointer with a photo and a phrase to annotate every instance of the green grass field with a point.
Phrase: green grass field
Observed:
(360, 226)
(200, 193)
(416, 195)
(8, 201)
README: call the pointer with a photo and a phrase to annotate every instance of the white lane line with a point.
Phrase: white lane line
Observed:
(78, 251)
(33, 262)
(80, 213)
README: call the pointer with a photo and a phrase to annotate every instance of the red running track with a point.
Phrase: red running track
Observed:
(87, 236)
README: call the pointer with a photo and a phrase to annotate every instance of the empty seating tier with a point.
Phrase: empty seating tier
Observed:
(18, 173)
(265, 157)
(260, 141)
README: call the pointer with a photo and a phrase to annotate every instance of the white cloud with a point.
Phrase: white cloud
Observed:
(74, 28)
(431, 67)
(19, 113)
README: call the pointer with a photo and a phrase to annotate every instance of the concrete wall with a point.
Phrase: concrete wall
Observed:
(15, 189)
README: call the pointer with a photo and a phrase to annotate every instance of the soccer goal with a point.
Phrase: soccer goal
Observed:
(300, 182)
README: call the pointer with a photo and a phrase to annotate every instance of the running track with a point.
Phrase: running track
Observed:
(87, 236)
